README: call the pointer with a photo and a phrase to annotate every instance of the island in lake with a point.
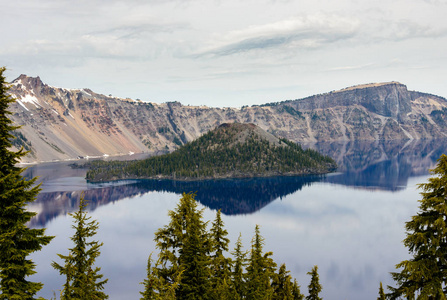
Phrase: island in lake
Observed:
(232, 150)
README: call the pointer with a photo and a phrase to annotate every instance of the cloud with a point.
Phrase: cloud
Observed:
(406, 29)
(348, 68)
(301, 32)
(139, 30)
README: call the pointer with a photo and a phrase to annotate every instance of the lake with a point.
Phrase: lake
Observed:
(349, 223)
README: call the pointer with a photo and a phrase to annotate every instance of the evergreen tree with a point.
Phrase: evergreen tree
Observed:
(238, 269)
(282, 284)
(83, 280)
(17, 241)
(381, 293)
(260, 270)
(424, 276)
(185, 247)
(296, 292)
(314, 285)
(221, 266)
(155, 287)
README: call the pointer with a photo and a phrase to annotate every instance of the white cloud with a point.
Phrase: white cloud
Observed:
(300, 32)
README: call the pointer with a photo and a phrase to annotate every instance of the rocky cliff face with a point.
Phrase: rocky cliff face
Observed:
(59, 123)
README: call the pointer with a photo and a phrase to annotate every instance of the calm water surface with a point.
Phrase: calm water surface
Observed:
(350, 223)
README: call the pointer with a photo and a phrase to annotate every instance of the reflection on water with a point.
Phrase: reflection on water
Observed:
(383, 165)
(233, 197)
(370, 165)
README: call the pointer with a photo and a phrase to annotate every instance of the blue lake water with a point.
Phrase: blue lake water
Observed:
(350, 223)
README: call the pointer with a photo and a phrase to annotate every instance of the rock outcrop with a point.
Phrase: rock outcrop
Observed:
(60, 123)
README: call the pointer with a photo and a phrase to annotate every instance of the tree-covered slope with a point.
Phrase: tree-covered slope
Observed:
(229, 151)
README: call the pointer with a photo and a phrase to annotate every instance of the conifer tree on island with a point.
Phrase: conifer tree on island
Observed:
(83, 280)
(17, 241)
(424, 276)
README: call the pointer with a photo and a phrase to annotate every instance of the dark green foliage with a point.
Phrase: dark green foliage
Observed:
(282, 285)
(192, 264)
(17, 241)
(185, 248)
(424, 276)
(260, 270)
(290, 110)
(220, 265)
(83, 280)
(219, 153)
(20, 141)
(314, 285)
(155, 287)
(239, 264)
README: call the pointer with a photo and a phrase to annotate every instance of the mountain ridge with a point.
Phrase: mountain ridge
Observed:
(61, 124)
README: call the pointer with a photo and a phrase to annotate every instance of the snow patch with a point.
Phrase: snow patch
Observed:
(23, 105)
(85, 92)
(17, 82)
(30, 99)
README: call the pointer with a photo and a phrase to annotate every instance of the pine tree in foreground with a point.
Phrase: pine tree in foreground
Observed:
(238, 269)
(381, 293)
(155, 287)
(221, 283)
(424, 276)
(296, 292)
(260, 270)
(185, 247)
(314, 285)
(282, 284)
(17, 241)
(83, 280)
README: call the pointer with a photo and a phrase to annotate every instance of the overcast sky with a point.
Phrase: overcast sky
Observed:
(225, 52)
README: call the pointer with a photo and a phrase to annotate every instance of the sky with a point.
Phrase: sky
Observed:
(225, 53)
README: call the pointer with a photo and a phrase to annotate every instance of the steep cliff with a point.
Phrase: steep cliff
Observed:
(60, 123)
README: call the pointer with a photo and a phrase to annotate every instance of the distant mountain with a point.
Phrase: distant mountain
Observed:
(61, 123)
(232, 150)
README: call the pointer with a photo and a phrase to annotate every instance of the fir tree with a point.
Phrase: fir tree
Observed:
(296, 292)
(282, 284)
(260, 270)
(381, 293)
(424, 276)
(314, 285)
(155, 287)
(83, 280)
(185, 247)
(221, 266)
(17, 241)
(238, 269)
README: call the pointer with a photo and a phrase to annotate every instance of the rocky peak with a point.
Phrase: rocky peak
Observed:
(29, 83)
(241, 132)
(390, 99)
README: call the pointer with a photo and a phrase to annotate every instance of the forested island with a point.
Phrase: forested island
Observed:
(232, 150)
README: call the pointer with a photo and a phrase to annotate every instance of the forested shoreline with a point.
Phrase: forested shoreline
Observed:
(220, 153)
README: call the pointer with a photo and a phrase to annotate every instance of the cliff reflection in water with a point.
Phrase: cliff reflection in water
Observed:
(383, 165)
(373, 165)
